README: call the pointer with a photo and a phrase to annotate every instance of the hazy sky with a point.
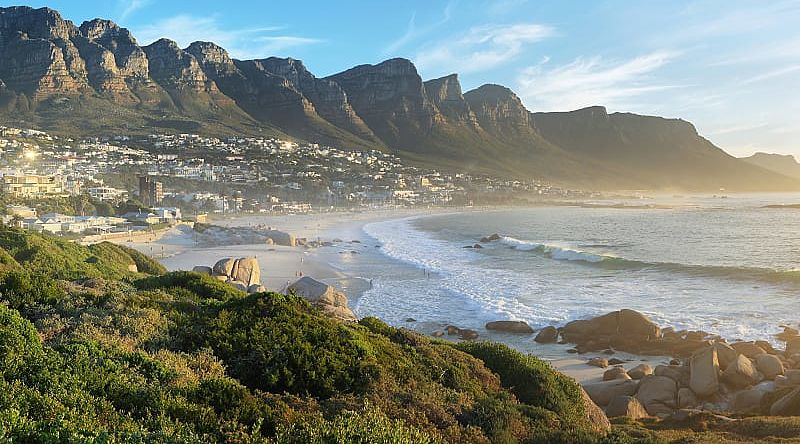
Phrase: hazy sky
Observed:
(732, 67)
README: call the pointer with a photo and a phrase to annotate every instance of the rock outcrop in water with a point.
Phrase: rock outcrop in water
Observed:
(743, 377)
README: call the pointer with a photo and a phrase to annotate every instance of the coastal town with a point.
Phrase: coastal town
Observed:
(117, 184)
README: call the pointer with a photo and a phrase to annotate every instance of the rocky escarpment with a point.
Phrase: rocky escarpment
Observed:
(39, 56)
(391, 99)
(328, 98)
(96, 79)
(445, 94)
(500, 112)
(117, 63)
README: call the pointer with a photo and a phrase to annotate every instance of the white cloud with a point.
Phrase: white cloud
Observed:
(771, 74)
(591, 81)
(241, 43)
(131, 6)
(413, 32)
(482, 48)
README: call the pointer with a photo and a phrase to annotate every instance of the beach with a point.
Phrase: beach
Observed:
(412, 269)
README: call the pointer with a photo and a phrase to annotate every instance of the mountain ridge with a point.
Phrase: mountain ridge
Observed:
(96, 78)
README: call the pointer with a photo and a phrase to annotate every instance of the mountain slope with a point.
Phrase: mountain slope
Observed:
(784, 164)
(653, 151)
(96, 79)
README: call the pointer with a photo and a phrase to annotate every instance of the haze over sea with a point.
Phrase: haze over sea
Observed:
(726, 266)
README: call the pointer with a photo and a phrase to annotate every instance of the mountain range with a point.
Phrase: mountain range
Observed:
(784, 164)
(96, 79)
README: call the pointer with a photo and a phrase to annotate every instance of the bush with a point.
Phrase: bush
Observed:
(367, 426)
(532, 380)
(20, 346)
(203, 286)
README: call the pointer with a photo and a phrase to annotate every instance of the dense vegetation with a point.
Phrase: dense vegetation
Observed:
(92, 351)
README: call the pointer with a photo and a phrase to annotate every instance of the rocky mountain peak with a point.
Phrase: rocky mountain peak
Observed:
(498, 109)
(390, 97)
(445, 94)
(210, 53)
(99, 28)
(444, 89)
(42, 23)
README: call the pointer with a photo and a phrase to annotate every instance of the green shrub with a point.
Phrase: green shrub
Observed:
(533, 381)
(201, 285)
(20, 346)
(368, 426)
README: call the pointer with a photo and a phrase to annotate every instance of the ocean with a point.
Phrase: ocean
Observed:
(723, 265)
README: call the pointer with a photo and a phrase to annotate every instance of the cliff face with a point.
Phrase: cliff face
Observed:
(97, 79)
(391, 99)
(500, 112)
(328, 98)
(445, 94)
(39, 56)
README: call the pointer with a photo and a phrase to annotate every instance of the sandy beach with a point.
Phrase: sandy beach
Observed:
(177, 249)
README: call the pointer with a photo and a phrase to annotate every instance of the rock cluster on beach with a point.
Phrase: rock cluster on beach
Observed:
(327, 298)
(742, 377)
(243, 273)
(213, 235)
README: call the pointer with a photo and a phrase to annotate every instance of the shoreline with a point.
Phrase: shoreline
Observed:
(177, 251)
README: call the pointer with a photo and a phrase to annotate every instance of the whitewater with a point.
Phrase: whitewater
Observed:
(726, 267)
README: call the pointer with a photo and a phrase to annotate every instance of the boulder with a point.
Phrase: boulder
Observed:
(603, 392)
(658, 394)
(256, 288)
(748, 401)
(238, 285)
(491, 238)
(788, 333)
(246, 270)
(547, 335)
(468, 335)
(510, 327)
(133, 268)
(741, 373)
(678, 373)
(703, 377)
(634, 323)
(595, 415)
(223, 267)
(640, 371)
(221, 277)
(202, 269)
(626, 406)
(281, 238)
(749, 349)
(725, 354)
(269, 241)
(452, 330)
(324, 296)
(792, 346)
(598, 362)
(769, 365)
(615, 373)
(437, 334)
(792, 376)
(787, 405)
(687, 398)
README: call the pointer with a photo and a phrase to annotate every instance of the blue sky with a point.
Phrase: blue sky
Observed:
(732, 67)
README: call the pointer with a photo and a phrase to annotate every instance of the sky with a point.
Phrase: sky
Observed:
(731, 67)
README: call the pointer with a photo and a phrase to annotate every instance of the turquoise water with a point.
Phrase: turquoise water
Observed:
(726, 266)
